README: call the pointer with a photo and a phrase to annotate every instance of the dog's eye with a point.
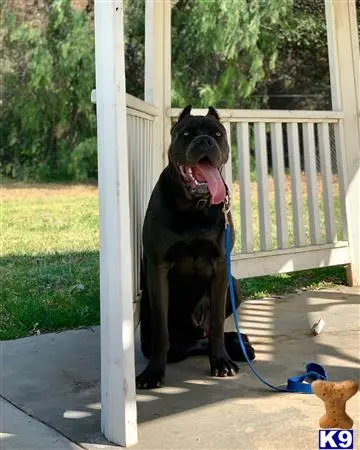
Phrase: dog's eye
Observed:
(186, 133)
(218, 134)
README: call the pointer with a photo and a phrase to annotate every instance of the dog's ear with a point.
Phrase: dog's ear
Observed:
(212, 112)
(185, 112)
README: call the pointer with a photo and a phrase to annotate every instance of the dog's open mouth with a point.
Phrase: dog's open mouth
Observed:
(203, 178)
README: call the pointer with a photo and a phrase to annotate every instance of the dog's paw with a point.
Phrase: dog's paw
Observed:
(150, 378)
(223, 367)
(233, 347)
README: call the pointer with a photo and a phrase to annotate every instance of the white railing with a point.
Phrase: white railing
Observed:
(140, 123)
(293, 218)
(290, 216)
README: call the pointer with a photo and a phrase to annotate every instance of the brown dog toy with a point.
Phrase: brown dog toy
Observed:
(335, 395)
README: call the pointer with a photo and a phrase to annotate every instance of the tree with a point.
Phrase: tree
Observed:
(48, 120)
(134, 25)
(231, 54)
(301, 79)
(222, 49)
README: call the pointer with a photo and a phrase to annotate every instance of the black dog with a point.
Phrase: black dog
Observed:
(184, 282)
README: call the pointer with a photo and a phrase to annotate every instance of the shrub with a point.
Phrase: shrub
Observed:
(47, 118)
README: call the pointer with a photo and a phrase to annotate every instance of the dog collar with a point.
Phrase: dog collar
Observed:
(202, 203)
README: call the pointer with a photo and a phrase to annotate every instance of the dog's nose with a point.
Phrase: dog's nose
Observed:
(203, 147)
(206, 142)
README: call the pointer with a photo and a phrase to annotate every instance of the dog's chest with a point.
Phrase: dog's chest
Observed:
(195, 257)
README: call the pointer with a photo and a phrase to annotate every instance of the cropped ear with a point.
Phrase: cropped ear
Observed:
(185, 112)
(212, 112)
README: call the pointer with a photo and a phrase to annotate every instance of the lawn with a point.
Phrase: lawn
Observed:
(49, 261)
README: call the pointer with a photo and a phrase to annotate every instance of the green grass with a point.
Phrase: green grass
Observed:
(49, 262)
(49, 268)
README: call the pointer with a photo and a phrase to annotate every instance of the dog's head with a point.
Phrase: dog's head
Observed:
(198, 151)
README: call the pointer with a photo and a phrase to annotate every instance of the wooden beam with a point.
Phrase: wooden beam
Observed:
(289, 260)
(158, 75)
(135, 104)
(118, 395)
(262, 115)
(141, 106)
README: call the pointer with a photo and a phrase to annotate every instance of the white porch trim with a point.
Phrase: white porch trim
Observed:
(289, 260)
(266, 115)
(118, 395)
(158, 75)
(344, 58)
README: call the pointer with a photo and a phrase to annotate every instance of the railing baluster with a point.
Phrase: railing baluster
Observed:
(132, 175)
(277, 150)
(295, 173)
(150, 160)
(228, 166)
(140, 138)
(341, 174)
(326, 174)
(263, 186)
(243, 151)
(135, 151)
(311, 181)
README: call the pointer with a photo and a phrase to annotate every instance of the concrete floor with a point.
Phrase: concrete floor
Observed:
(55, 379)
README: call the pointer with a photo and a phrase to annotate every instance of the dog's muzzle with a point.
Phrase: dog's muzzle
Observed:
(204, 146)
(204, 179)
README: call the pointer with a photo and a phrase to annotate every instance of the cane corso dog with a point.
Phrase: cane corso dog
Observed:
(185, 295)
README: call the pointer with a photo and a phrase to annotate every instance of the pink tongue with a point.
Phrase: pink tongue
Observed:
(215, 182)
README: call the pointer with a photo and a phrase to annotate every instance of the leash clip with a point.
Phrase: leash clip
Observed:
(226, 209)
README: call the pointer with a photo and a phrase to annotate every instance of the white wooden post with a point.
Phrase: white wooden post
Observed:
(158, 75)
(118, 395)
(343, 44)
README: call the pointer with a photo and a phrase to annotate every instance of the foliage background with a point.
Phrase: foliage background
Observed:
(241, 54)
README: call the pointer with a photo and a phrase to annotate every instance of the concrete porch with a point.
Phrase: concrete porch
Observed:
(55, 378)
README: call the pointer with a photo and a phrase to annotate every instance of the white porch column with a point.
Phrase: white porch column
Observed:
(118, 401)
(343, 43)
(158, 75)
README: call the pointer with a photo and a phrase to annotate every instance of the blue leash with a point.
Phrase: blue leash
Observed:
(295, 384)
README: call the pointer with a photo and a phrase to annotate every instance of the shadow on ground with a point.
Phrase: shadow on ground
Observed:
(56, 378)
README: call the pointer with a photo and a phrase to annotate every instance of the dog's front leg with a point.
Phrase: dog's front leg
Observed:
(220, 363)
(157, 281)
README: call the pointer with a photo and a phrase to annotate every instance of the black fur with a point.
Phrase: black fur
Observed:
(184, 285)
